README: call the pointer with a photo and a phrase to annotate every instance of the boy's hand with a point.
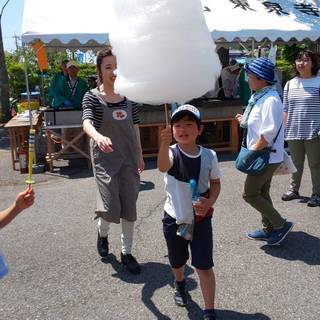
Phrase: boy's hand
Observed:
(24, 199)
(166, 136)
(201, 207)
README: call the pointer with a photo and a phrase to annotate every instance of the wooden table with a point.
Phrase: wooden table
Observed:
(221, 128)
(19, 133)
(66, 144)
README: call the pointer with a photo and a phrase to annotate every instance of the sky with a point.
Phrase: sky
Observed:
(11, 22)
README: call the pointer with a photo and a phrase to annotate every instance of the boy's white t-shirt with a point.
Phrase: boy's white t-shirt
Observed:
(179, 197)
(265, 119)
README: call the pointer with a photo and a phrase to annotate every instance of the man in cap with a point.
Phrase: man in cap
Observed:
(55, 81)
(70, 91)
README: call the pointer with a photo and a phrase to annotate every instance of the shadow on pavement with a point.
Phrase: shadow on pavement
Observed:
(304, 199)
(146, 185)
(71, 172)
(155, 276)
(233, 315)
(4, 139)
(297, 246)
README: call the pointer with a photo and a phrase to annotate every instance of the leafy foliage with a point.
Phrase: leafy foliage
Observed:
(15, 67)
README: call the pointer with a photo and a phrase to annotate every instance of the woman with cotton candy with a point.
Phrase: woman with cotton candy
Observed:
(164, 51)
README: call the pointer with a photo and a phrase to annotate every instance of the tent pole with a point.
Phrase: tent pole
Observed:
(25, 60)
(243, 46)
(252, 48)
(43, 99)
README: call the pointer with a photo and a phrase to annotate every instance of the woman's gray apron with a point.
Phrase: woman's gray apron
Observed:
(116, 173)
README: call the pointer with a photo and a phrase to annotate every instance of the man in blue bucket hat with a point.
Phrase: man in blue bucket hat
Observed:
(263, 128)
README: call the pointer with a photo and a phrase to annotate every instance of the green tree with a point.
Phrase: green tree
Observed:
(15, 67)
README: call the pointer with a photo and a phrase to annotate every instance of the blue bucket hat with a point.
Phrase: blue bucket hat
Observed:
(262, 68)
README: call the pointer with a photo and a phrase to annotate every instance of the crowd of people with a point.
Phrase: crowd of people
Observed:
(192, 173)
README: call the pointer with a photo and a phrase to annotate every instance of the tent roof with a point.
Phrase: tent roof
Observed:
(66, 23)
(82, 24)
(275, 20)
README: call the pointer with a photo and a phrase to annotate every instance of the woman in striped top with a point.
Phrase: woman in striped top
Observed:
(111, 121)
(301, 102)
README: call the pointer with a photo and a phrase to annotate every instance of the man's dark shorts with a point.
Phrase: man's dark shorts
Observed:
(201, 246)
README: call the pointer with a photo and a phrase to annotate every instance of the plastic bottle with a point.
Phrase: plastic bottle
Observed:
(3, 266)
(194, 191)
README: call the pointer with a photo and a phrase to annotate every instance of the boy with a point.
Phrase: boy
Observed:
(24, 200)
(182, 162)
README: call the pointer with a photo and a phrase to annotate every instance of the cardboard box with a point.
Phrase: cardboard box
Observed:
(54, 117)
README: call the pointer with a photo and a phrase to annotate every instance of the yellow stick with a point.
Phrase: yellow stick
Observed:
(32, 133)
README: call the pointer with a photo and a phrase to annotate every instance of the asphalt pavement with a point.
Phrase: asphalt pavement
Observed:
(56, 273)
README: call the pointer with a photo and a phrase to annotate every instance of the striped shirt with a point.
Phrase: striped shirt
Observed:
(301, 100)
(93, 109)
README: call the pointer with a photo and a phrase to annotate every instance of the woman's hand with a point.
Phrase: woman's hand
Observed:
(104, 143)
(201, 207)
(141, 163)
(239, 117)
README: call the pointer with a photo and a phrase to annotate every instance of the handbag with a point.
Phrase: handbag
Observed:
(253, 161)
(287, 166)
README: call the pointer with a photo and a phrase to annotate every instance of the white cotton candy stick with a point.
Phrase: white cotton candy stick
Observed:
(164, 51)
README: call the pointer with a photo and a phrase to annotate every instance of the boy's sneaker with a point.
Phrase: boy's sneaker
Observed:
(130, 262)
(278, 235)
(314, 201)
(102, 246)
(209, 315)
(290, 195)
(259, 234)
(180, 294)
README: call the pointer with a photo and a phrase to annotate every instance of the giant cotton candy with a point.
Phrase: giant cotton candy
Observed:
(164, 50)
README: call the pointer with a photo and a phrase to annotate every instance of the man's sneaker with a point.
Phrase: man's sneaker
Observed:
(180, 294)
(102, 246)
(130, 262)
(290, 195)
(278, 235)
(314, 201)
(259, 234)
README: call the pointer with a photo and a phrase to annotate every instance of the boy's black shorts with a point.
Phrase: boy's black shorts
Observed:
(201, 246)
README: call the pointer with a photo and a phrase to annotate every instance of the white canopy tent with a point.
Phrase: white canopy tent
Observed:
(279, 20)
(83, 24)
(72, 24)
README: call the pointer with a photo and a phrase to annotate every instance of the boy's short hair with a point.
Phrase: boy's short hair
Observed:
(186, 110)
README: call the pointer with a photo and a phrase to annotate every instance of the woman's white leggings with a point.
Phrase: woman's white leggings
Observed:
(126, 235)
